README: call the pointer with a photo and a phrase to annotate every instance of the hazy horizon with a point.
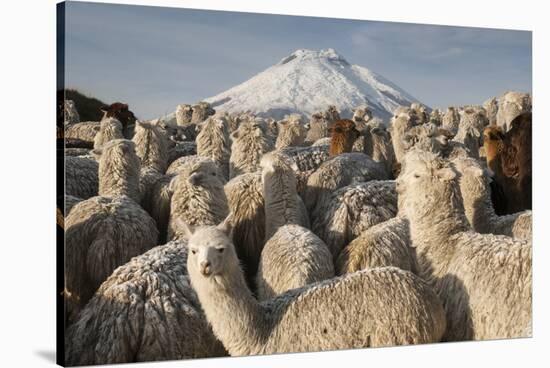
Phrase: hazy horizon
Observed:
(154, 58)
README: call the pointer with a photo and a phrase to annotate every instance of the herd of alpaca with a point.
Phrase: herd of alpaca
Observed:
(233, 234)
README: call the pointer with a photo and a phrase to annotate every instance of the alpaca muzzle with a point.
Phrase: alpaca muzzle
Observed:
(205, 269)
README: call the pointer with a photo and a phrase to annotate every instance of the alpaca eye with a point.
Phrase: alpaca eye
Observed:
(416, 176)
(213, 174)
(193, 251)
(220, 250)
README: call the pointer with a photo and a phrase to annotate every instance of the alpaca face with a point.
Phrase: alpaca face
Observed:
(473, 180)
(205, 174)
(122, 147)
(423, 181)
(211, 252)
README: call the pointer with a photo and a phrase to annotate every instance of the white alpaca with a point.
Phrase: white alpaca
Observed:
(484, 281)
(380, 307)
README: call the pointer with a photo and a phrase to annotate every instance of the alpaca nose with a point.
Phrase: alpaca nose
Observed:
(205, 268)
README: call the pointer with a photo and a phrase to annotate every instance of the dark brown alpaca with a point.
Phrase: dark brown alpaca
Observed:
(126, 117)
(509, 156)
(343, 135)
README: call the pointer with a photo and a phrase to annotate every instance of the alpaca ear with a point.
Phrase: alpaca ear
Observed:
(446, 174)
(226, 226)
(187, 229)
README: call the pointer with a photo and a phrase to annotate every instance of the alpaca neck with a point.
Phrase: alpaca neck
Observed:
(118, 180)
(237, 318)
(281, 207)
(432, 231)
(479, 211)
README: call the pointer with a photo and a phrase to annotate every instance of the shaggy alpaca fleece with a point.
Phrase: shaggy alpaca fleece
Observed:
(119, 169)
(305, 160)
(75, 152)
(351, 210)
(320, 123)
(183, 114)
(436, 118)
(293, 257)
(451, 119)
(85, 131)
(510, 105)
(198, 197)
(380, 307)
(181, 149)
(321, 142)
(109, 129)
(145, 311)
(81, 177)
(400, 123)
(483, 280)
(292, 131)
(201, 111)
(384, 244)
(283, 206)
(70, 202)
(247, 207)
(151, 146)
(214, 143)
(470, 130)
(250, 142)
(102, 233)
(491, 107)
(71, 114)
(342, 170)
(156, 201)
(376, 143)
(476, 195)
(183, 162)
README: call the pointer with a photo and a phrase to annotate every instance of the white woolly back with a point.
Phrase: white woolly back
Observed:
(151, 146)
(119, 168)
(110, 128)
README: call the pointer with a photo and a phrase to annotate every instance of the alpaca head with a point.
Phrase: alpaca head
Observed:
(115, 148)
(362, 113)
(292, 131)
(119, 111)
(474, 181)
(426, 181)
(211, 254)
(205, 174)
(252, 127)
(343, 135)
(493, 139)
(426, 137)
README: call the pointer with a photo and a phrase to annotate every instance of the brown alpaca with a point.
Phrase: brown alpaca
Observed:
(509, 156)
(126, 117)
(343, 135)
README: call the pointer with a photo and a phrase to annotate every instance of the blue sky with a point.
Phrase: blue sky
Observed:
(155, 58)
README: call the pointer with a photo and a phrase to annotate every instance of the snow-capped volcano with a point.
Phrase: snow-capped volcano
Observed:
(309, 81)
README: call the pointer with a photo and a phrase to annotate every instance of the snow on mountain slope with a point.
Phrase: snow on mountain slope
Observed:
(308, 81)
